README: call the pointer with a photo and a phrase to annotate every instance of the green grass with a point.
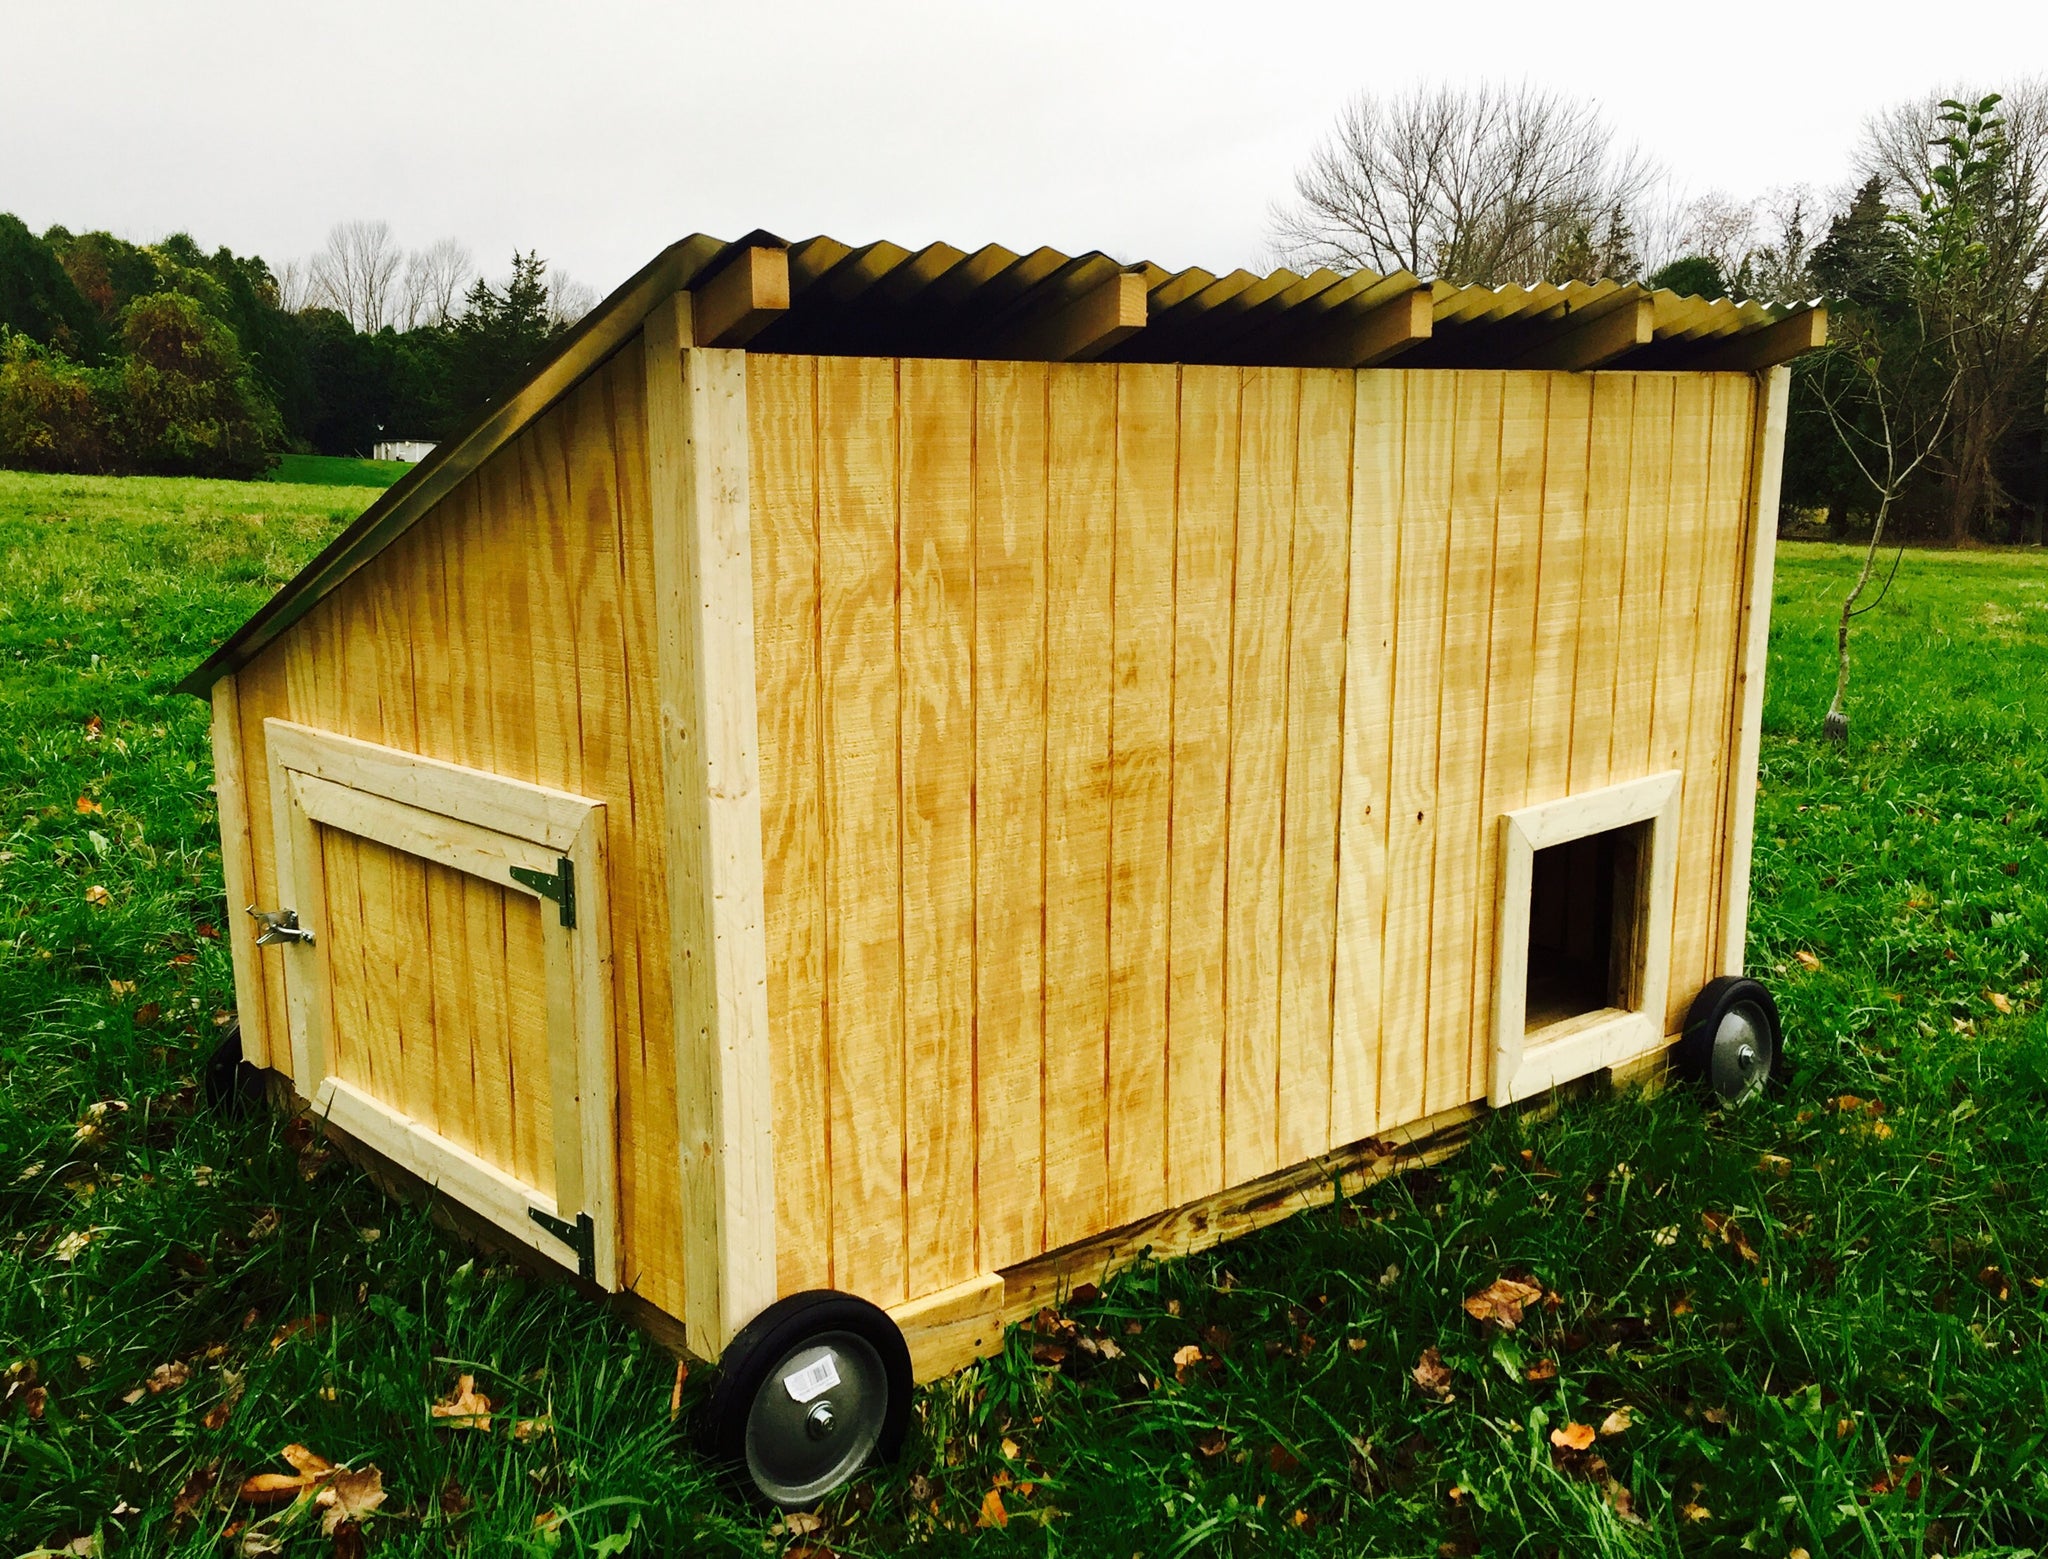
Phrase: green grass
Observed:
(338, 471)
(1873, 1382)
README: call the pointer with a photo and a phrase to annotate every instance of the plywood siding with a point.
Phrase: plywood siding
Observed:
(1133, 743)
(511, 631)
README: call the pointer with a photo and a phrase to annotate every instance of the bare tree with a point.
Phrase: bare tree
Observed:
(435, 280)
(1990, 299)
(1486, 184)
(357, 274)
(568, 299)
(1907, 416)
(294, 286)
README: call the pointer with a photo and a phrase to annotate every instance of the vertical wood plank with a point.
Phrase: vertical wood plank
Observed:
(1679, 650)
(783, 440)
(636, 826)
(1721, 579)
(1518, 565)
(264, 688)
(1009, 817)
(1643, 576)
(1599, 634)
(531, 1084)
(1080, 514)
(349, 1048)
(1357, 1041)
(1258, 771)
(936, 644)
(1205, 572)
(1554, 662)
(1141, 741)
(1315, 756)
(857, 493)
(238, 871)
(1430, 430)
(1461, 749)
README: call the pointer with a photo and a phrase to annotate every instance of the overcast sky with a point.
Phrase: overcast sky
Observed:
(597, 132)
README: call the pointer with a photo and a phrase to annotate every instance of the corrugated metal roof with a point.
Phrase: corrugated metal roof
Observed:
(941, 301)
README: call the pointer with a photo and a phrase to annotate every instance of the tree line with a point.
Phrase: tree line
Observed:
(167, 359)
(1930, 407)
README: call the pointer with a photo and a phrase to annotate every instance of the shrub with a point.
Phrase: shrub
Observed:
(188, 404)
(54, 415)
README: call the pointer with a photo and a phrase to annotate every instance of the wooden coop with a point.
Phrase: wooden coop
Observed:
(925, 773)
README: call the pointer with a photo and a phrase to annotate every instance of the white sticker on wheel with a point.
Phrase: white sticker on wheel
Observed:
(818, 1376)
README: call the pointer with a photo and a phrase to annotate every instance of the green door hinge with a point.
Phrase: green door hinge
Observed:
(557, 885)
(580, 1236)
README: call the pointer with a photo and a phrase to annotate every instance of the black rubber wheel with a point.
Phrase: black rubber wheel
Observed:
(230, 1084)
(1733, 1045)
(813, 1389)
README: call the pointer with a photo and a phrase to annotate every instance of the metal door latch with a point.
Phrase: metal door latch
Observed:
(280, 925)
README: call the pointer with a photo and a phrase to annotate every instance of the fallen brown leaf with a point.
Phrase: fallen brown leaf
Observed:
(1185, 1358)
(1432, 1374)
(1775, 1164)
(1212, 1443)
(992, 1512)
(1806, 959)
(1998, 1000)
(292, 1328)
(1540, 1370)
(1616, 1422)
(309, 1462)
(147, 1014)
(1573, 1437)
(93, 727)
(351, 1493)
(675, 1395)
(273, 1488)
(463, 1408)
(1622, 1502)
(168, 1377)
(191, 1495)
(1501, 1302)
(121, 988)
(98, 896)
(1283, 1461)
(1731, 1234)
(87, 806)
(1011, 1449)
(802, 1523)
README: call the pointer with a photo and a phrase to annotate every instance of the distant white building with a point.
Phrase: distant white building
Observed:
(408, 449)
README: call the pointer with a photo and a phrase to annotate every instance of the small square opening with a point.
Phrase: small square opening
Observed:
(1586, 932)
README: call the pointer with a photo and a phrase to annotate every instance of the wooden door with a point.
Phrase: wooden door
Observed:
(451, 1005)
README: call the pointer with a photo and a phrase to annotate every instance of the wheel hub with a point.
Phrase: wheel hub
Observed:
(816, 1417)
(1740, 1064)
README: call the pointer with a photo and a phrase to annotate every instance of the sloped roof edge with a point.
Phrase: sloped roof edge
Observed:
(593, 339)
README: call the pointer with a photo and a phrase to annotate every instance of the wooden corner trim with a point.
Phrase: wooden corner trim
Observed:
(703, 578)
(1753, 643)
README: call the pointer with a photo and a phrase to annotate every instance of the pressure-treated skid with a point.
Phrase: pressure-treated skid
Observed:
(927, 774)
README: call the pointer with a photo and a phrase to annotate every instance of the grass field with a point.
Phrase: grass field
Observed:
(1821, 1319)
(338, 471)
